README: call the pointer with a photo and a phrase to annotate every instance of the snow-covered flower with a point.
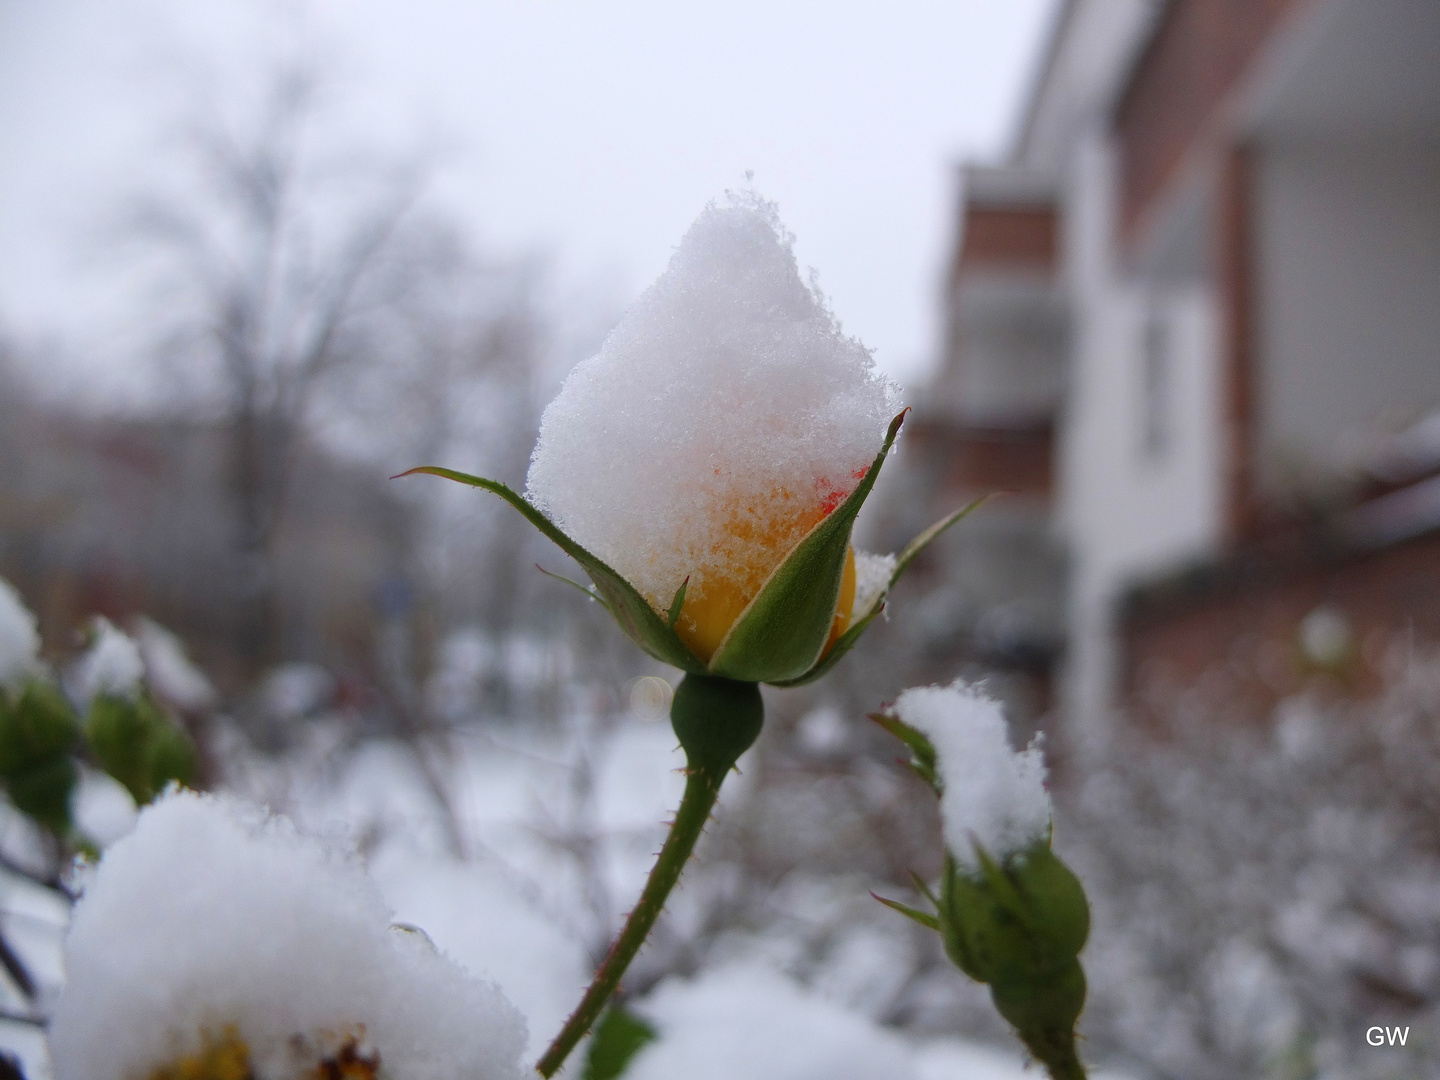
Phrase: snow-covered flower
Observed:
(707, 465)
(19, 638)
(216, 943)
(111, 666)
(991, 795)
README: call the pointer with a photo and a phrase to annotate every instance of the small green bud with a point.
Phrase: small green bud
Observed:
(1019, 926)
(984, 933)
(35, 728)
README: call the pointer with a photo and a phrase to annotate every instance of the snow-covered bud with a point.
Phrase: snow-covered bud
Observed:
(725, 419)
(130, 736)
(991, 797)
(215, 943)
(1011, 914)
(111, 665)
(706, 467)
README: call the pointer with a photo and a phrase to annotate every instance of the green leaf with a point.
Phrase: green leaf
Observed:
(36, 728)
(137, 744)
(780, 634)
(859, 622)
(631, 611)
(42, 791)
(677, 603)
(930, 922)
(619, 1036)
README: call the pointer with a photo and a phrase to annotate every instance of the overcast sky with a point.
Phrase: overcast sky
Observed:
(593, 131)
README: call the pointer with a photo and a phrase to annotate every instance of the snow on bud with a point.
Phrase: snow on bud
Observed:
(217, 942)
(991, 795)
(1010, 913)
(112, 666)
(19, 638)
(724, 418)
(706, 467)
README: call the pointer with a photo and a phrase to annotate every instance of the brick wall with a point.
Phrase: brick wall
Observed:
(1007, 237)
(1199, 53)
(1232, 634)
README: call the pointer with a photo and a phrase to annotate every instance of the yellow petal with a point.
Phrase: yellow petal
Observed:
(706, 618)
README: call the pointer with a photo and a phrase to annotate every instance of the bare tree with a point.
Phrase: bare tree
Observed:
(277, 260)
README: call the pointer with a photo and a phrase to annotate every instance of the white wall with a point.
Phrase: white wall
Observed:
(1127, 513)
(1348, 264)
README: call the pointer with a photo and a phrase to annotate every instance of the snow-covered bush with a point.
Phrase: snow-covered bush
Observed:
(1262, 896)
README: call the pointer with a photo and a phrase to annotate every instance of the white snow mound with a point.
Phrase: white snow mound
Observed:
(992, 794)
(723, 417)
(748, 1021)
(112, 665)
(214, 918)
(19, 639)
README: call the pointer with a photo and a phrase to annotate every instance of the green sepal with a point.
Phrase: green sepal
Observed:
(860, 621)
(618, 1037)
(631, 611)
(930, 922)
(782, 631)
(923, 761)
(588, 590)
(1013, 922)
(138, 745)
(37, 727)
(925, 537)
(924, 889)
(677, 605)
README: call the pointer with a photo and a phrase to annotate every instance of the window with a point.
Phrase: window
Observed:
(1156, 385)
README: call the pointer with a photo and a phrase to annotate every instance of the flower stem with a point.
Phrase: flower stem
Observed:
(716, 721)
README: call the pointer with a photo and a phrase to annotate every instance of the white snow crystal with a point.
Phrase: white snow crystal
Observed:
(19, 640)
(214, 921)
(724, 416)
(112, 664)
(872, 578)
(992, 793)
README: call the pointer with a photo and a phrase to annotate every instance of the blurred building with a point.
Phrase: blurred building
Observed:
(1193, 321)
(128, 517)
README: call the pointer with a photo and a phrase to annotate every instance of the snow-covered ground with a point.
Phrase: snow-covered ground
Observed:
(529, 812)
